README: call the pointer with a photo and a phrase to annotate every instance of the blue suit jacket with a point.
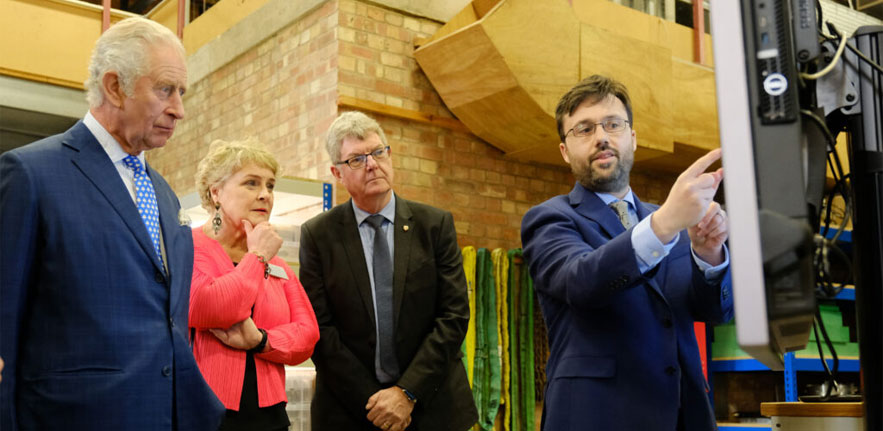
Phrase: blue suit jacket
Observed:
(94, 334)
(623, 353)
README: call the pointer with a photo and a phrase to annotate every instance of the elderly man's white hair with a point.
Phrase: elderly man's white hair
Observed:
(124, 48)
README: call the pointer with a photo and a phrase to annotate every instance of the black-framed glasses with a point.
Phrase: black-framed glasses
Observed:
(611, 125)
(359, 162)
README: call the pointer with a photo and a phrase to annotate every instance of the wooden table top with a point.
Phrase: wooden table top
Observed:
(812, 409)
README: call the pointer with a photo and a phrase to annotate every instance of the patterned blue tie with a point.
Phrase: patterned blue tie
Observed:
(146, 198)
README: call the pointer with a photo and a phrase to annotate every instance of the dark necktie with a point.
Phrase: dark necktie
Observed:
(145, 198)
(621, 208)
(383, 296)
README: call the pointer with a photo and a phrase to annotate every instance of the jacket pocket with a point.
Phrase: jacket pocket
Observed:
(586, 366)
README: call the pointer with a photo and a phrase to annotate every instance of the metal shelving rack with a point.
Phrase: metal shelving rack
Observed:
(793, 363)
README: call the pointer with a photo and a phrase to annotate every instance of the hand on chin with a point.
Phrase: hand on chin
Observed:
(255, 217)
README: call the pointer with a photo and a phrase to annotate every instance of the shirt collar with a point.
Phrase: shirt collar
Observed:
(113, 148)
(608, 198)
(388, 212)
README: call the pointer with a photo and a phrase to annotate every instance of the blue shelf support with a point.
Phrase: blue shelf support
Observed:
(790, 377)
(326, 196)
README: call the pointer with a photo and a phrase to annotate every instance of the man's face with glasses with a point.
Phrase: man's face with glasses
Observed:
(365, 169)
(600, 145)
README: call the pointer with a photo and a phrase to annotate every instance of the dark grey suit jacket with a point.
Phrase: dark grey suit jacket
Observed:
(431, 312)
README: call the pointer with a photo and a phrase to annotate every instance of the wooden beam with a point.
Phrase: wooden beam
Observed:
(105, 15)
(482, 7)
(698, 32)
(41, 78)
(867, 4)
(401, 113)
(182, 4)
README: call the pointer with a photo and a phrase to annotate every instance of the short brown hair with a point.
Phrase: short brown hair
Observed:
(594, 89)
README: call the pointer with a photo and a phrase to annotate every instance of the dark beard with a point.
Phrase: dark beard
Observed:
(616, 182)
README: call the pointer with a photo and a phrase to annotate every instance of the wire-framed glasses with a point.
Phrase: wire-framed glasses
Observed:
(359, 162)
(611, 125)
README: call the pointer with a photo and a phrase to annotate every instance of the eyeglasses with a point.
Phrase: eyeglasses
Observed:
(359, 162)
(611, 125)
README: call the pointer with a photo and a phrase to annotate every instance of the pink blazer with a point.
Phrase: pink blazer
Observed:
(221, 295)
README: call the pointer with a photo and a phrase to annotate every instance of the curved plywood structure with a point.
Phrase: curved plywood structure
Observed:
(501, 66)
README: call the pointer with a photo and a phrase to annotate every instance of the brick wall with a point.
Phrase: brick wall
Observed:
(284, 92)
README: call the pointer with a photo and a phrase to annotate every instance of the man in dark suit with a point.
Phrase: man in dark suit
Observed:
(386, 281)
(617, 281)
(96, 260)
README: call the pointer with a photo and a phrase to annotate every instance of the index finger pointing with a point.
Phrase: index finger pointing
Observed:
(701, 164)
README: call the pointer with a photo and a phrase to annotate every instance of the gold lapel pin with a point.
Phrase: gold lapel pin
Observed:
(405, 228)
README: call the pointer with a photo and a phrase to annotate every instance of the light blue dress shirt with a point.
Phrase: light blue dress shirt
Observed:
(366, 233)
(649, 250)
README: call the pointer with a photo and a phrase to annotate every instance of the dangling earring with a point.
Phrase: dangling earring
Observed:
(216, 220)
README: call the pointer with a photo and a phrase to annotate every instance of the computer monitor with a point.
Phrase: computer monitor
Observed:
(764, 161)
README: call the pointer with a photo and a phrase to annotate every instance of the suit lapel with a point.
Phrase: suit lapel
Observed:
(94, 163)
(589, 205)
(592, 207)
(402, 253)
(168, 219)
(352, 245)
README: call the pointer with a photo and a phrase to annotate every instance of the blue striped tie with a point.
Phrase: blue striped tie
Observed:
(146, 199)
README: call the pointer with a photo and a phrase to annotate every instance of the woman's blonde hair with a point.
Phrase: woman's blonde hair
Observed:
(226, 158)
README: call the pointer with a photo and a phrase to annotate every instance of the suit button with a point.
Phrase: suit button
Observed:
(158, 277)
(666, 323)
(171, 322)
(167, 371)
(670, 371)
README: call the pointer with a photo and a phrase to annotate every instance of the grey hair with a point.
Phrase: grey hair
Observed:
(226, 158)
(352, 124)
(125, 49)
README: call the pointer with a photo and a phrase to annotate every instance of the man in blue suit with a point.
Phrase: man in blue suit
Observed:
(96, 260)
(620, 282)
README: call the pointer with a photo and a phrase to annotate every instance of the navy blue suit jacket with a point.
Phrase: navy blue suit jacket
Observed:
(94, 333)
(623, 353)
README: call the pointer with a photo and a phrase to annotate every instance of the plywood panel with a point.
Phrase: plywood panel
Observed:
(493, 119)
(540, 42)
(465, 66)
(694, 108)
(623, 21)
(462, 19)
(645, 69)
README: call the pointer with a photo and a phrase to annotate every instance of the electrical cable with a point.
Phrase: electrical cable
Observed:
(827, 247)
(835, 369)
(838, 35)
(830, 65)
(815, 330)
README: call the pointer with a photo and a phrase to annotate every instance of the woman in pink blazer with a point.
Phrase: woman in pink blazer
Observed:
(249, 314)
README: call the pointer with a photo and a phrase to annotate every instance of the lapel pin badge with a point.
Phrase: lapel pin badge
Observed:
(405, 228)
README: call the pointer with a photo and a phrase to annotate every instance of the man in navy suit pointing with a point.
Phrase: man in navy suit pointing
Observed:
(95, 262)
(620, 282)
